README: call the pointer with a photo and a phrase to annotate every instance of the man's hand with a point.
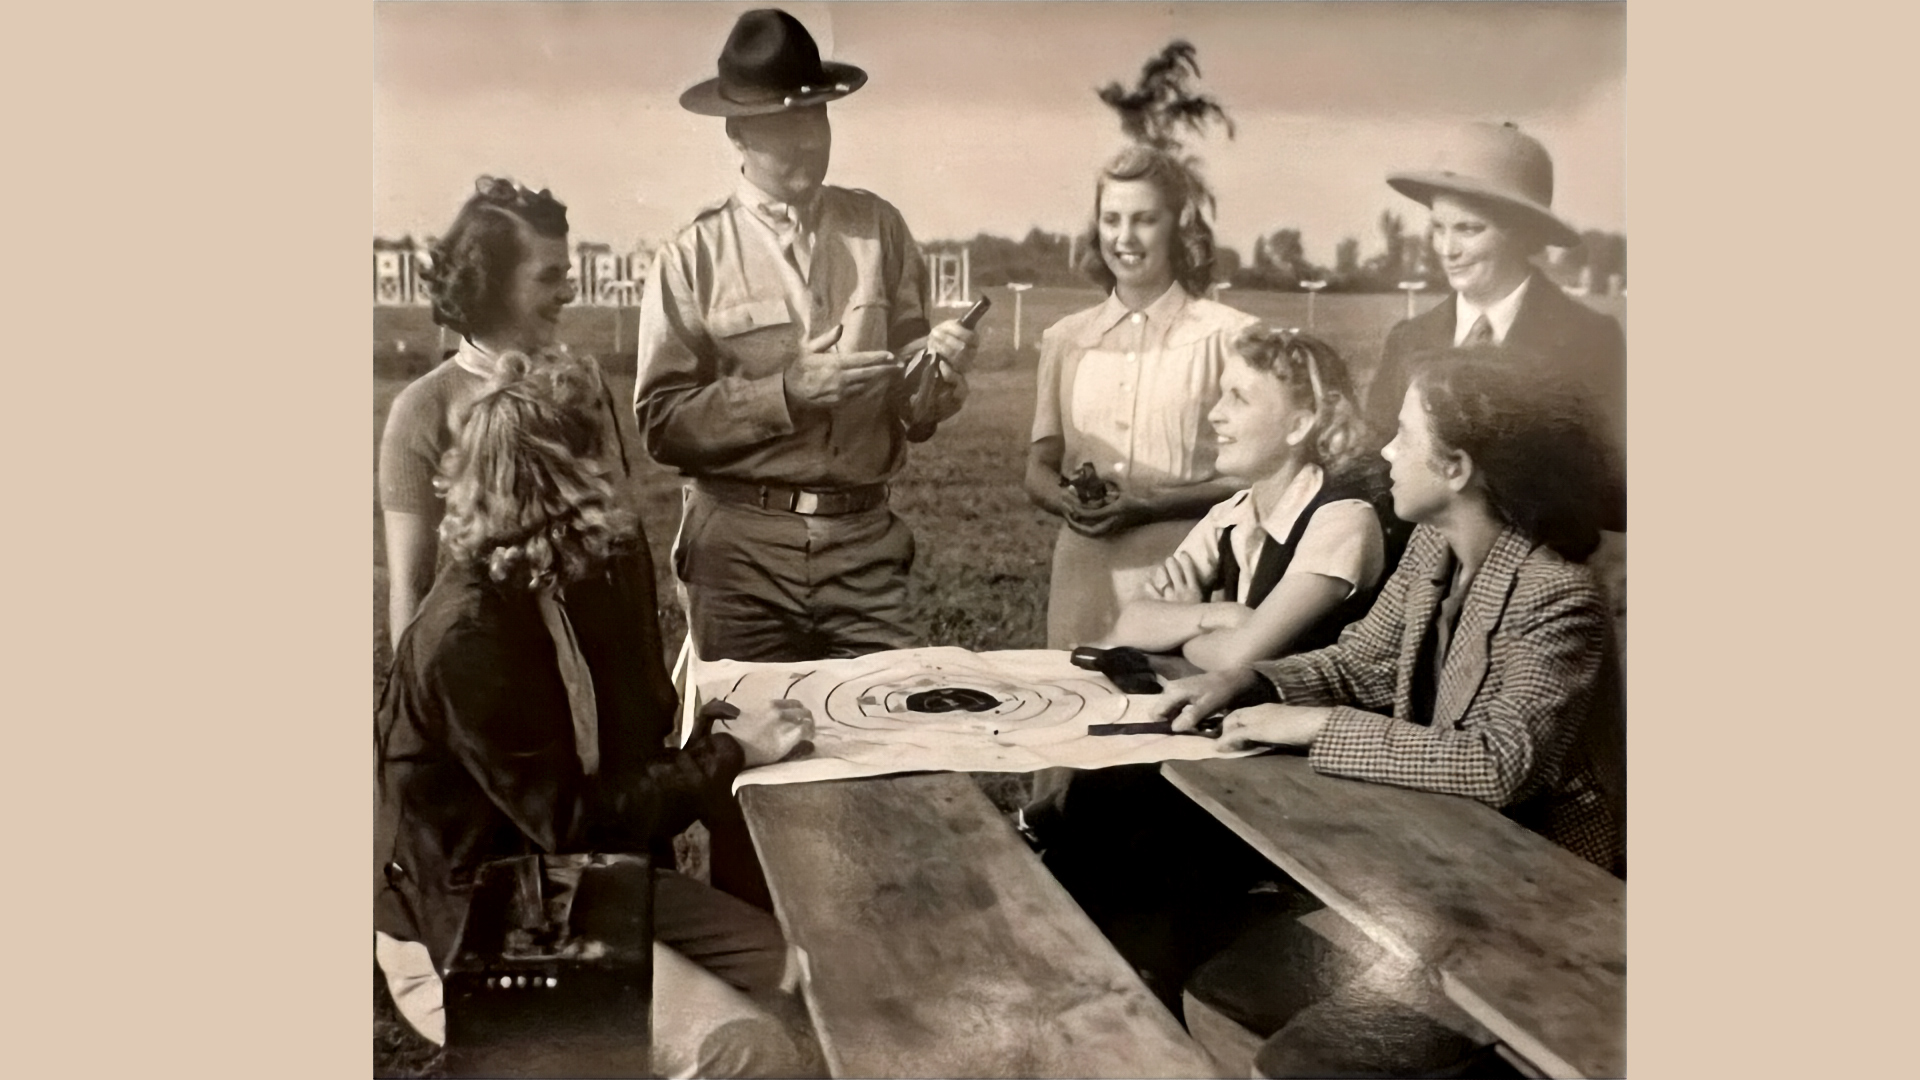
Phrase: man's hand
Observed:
(1188, 701)
(771, 735)
(822, 378)
(1272, 725)
(954, 343)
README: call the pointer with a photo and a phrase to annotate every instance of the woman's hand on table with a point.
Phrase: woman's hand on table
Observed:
(1272, 725)
(1188, 701)
(771, 734)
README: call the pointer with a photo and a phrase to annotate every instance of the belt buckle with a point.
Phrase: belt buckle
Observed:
(806, 502)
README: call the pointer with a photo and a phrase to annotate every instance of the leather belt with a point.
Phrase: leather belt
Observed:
(796, 500)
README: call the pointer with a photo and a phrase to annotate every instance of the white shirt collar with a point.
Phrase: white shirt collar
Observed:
(1160, 313)
(770, 208)
(1300, 491)
(474, 359)
(1500, 313)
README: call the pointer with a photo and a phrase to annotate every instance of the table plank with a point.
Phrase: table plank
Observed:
(939, 945)
(1528, 938)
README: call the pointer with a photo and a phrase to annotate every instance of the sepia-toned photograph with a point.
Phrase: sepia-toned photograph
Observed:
(1043, 539)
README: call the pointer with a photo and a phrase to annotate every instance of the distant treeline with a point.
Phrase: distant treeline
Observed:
(1278, 261)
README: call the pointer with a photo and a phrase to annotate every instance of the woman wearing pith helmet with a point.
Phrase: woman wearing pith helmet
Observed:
(1490, 190)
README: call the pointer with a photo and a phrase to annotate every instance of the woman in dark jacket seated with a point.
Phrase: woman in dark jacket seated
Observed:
(527, 711)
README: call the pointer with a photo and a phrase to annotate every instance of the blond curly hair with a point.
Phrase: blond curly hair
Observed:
(525, 483)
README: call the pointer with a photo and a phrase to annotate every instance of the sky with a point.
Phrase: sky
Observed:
(982, 117)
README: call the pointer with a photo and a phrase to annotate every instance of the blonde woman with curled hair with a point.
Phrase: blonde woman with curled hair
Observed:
(1283, 565)
(527, 711)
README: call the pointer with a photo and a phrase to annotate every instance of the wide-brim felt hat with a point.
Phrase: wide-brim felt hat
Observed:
(1497, 162)
(768, 65)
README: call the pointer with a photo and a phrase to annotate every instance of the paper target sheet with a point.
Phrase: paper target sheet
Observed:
(947, 710)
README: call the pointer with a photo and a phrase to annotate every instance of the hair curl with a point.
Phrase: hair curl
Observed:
(1186, 197)
(1531, 434)
(525, 482)
(472, 263)
(1316, 377)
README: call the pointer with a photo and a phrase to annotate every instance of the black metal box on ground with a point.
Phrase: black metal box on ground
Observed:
(552, 974)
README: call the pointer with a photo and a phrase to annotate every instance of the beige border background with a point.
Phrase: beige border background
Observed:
(190, 711)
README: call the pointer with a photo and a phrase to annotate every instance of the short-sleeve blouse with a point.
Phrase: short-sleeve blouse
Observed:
(1130, 391)
(1343, 540)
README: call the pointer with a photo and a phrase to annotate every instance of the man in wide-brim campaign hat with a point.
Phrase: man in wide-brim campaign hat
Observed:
(771, 336)
(1490, 191)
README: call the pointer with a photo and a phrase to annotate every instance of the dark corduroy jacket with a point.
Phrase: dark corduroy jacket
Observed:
(475, 743)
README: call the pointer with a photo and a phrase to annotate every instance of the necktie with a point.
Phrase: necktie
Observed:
(1482, 332)
(577, 679)
(794, 239)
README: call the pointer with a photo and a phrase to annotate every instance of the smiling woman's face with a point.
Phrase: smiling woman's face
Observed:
(532, 299)
(1136, 236)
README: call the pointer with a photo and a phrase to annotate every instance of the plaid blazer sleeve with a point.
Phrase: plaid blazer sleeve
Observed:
(1361, 668)
(1543, 665)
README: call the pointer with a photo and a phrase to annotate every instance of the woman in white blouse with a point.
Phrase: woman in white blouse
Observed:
(1286, 564)
(1125, 387)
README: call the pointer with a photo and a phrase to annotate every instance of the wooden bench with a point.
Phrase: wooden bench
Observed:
(1527, 938)
(937, 944)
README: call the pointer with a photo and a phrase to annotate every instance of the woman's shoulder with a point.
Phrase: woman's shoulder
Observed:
(1547, 581)
(1346, 514)
(427, 398)
(1213, 313)
(1071, 326)
(1202, 320)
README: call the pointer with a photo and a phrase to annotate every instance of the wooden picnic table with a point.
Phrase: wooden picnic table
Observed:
(1527, 938)
(937, 943)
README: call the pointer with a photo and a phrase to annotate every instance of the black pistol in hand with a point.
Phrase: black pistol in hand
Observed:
(922, 377)
(1126, 667)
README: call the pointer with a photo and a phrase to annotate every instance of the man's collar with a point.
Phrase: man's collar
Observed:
(772, 207)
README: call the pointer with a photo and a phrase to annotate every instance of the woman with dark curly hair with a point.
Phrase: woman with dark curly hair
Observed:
(526, 712)
(499, 280)
(1125, 387)
(1487, 667)
(1284, 565)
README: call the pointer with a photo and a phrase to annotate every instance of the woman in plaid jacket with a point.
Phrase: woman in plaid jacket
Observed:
(1487, 667)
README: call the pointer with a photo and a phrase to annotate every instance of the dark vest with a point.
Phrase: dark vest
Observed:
(1274, 558)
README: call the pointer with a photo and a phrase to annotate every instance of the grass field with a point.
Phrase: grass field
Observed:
(980, 579)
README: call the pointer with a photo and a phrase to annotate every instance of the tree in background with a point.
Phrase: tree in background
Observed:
(1163, 105)
(1279, 262)
(1346, 262)
(1226, 264)
(1040, 258)
(1591, 265)
(1384, 269)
